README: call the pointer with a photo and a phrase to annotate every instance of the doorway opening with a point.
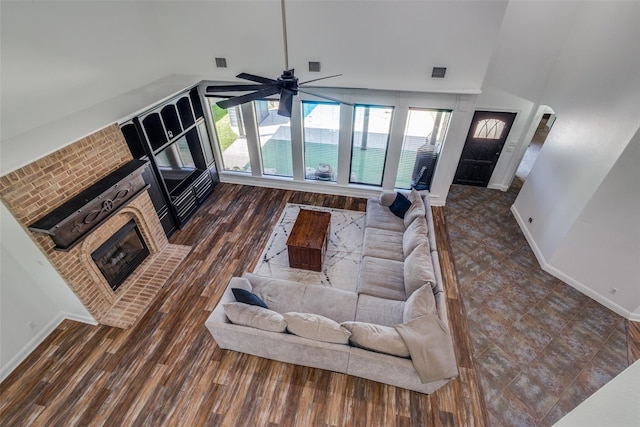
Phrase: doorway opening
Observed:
(487, 135)
(539, 137)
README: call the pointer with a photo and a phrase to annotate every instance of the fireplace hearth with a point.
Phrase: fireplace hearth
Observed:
(56, 182)
(119, 256)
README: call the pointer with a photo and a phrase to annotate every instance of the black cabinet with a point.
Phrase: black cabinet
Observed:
(185, 112)
(134, 139)
(183, 173)
(196, 103)
(171, 122)
(154, 130)
(159, 201)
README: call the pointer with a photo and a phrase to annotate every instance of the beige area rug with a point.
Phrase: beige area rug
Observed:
(341, 260)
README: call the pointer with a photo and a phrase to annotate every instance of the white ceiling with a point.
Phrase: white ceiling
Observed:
(374, 44)
(59, 57)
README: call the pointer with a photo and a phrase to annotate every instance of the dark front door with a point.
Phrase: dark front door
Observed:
(487, 135)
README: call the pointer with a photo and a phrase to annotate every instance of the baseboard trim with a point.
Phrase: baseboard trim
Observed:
(568, 279)
(82, 319)
(436, 200)
(498, 187)
(310, 186)
(38, 338)
(352, 190)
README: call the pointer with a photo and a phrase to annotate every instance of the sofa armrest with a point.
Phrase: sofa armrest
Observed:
(438, 291)
(430, 225)
(217, 315)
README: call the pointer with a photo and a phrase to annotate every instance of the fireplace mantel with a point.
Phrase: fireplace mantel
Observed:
(53, 181)
(69, 223)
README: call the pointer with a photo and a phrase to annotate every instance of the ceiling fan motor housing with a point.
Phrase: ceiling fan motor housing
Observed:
(288, 81)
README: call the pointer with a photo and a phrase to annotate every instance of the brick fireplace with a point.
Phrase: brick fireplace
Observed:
(37, 188)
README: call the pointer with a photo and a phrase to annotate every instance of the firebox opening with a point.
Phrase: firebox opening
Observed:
(119, 256)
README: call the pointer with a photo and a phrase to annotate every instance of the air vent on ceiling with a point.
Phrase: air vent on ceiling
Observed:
(221, 62)
(314, 67)
(438, 72)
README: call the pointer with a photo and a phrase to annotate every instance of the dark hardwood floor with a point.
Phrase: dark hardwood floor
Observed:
(168, 370)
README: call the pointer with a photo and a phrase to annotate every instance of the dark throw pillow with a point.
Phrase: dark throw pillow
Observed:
(247, 297)
(400, 205)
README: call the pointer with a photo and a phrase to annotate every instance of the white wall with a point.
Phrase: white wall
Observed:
(531, 37)
(59, 57)
(31, 292)
(615, 404)
(595, 91)
(21, 303)
(601, 250)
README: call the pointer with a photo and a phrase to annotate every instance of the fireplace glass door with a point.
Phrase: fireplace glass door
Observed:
(119, 256)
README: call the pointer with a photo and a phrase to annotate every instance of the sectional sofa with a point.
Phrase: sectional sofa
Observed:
(393, 329)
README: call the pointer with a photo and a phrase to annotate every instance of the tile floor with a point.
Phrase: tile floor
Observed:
(542, 346)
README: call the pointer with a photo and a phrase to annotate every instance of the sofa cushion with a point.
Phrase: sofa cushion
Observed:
(316, 327)
(379, 216)
(420, 303)
(418, 270)
(244, 296)
(382, 278)
(284, 296)
(416, 209)
(415, 234)
(382, 244)
(400, 205)
(431, 347)
(382, 311)
(255, 317)
(383, 339)
(387, 198)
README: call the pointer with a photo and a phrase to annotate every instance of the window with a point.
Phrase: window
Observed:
(275, 139)
(423, 136)
(229, 127)
(489, 129)
(321, 124)
(371, 126)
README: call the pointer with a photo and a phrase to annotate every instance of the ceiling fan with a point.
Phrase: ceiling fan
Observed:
(286, 85)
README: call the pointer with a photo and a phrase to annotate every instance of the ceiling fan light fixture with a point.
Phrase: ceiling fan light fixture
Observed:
(287, 85)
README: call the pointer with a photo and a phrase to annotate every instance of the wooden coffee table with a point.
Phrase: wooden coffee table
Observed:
(308, 240)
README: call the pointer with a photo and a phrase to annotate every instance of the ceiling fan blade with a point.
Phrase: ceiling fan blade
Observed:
(320, 78)
(286, 103)
(324, 97)
(230, 88)
(255, 78)
(232, 102)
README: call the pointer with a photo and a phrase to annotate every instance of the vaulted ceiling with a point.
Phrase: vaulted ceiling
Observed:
(60, 57)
